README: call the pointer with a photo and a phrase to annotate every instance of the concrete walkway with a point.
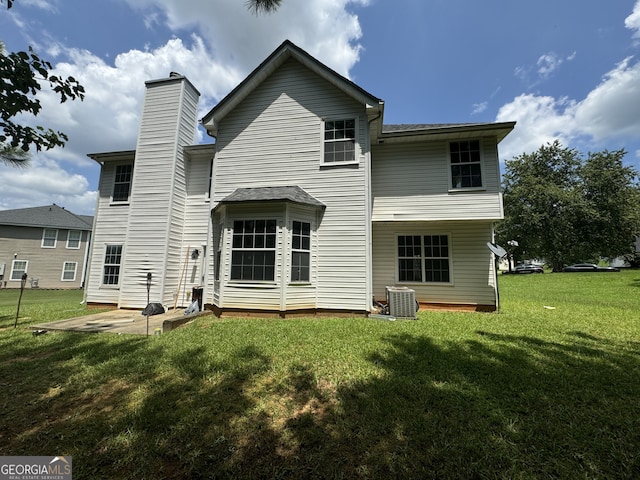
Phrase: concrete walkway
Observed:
(121, 321)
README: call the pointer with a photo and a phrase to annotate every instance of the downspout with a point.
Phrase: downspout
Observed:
(369, 213)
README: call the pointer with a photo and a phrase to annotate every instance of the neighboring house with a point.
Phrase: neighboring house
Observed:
(306, 202)
(49, 244)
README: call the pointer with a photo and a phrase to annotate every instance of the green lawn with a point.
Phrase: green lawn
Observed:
(532, 392)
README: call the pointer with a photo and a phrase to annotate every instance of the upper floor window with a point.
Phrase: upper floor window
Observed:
(300, 251)
(18, 268)
(49, 238)
(466, 169)
(73, 239)
(340, 141)
(424, 258)
(253, 250)
(112, 261)
(122, 182)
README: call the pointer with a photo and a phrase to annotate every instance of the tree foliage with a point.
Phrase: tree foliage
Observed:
(21, 78)
(565, 208)
(263, 6)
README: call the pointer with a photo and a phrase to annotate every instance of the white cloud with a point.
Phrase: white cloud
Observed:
(479, 108)
(42, 183)
(236, 37)
(610, 112)
(548, 63)
(632, 22)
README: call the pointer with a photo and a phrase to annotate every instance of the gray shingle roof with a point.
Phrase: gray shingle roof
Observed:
(412, 127)
(50, 216)
(292, 194)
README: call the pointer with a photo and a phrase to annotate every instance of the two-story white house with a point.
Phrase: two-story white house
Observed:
(306, 202)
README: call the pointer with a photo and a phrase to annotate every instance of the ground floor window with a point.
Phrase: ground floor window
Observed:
(424, 258)
(253, 250)
(18, 268)
(300, 251)
(69, 271)
(112, 261)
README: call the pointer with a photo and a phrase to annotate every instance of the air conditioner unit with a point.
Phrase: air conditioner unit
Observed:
(402, 302)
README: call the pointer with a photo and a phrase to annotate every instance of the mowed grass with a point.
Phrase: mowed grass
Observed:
(532, 392)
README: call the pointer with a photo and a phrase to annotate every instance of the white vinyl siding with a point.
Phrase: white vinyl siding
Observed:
(110, 228)
(411, 182)
(74, 238)
(155, 227)
(471, 263)
(69, 270)
(276, 131)
(49, 238)
(18, 268)
(197, 220)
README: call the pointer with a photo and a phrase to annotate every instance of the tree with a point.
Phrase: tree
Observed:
(263, 6)
(565, 209)
(610, 188)
(21, 74)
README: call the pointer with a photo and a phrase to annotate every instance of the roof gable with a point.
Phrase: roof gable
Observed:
(50, 216)
(287, 50)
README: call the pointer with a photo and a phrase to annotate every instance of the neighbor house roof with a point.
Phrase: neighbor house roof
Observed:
(50, 216)
(293, 194)
(284, 52)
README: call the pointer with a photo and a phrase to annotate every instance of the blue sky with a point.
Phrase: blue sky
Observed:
(567, 70)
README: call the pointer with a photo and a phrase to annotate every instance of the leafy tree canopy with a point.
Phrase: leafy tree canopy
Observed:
(263, 6)
(565, 208)
(21, 78)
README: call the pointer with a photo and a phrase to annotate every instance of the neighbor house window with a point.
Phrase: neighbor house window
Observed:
(424, 258)
(253, 250)
(122, 182)
(49, 238)
(112, 261)
(300, 251)
(73, 239)
(466, 170)
(69, 271)
(340, 141)
(18, 268)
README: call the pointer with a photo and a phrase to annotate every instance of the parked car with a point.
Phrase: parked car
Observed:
(589, 267)
(528, 268)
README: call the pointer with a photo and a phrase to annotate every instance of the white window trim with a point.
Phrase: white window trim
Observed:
(44, 237)
(356, 155)
(422, 259)
(75, 271)
(453, 189)
(104, 264)
(13, 264)
(79, 239)
(310, 251)
(276, 249)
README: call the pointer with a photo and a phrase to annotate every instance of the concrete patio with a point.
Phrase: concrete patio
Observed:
(122, 321)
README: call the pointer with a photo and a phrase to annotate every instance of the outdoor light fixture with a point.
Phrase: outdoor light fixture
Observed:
(195, 254)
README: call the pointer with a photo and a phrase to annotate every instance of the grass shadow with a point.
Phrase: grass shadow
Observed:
(494, 406)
